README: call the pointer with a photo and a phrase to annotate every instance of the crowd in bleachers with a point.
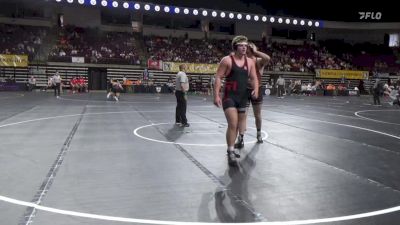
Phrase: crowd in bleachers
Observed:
(121, 48)
(117, 48)
(304, 58)
(284, 57)
(95, 46)
(24, 40)
(184, 49)
(366, 56)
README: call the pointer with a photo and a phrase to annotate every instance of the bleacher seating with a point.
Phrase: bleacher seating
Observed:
(114, 48)
(95, 46)
(23, 40)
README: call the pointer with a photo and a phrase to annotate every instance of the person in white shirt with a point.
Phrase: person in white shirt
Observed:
(281, 86)
(31, 83)
(57, 84)
(181, 89)
(394, 96)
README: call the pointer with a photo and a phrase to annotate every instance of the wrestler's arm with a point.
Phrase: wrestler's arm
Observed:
(253, 78)
(220, 74)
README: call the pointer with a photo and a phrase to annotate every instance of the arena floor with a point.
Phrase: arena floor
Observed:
(81, 159)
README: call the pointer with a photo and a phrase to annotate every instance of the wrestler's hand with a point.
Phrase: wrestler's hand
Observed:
(217, 101)
(253, 47)
(254, 94)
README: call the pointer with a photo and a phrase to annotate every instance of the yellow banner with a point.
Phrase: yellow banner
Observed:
(191, 67)
(13, 60)
(339, 74)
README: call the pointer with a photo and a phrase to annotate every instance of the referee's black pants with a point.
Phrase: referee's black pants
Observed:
(180, 114)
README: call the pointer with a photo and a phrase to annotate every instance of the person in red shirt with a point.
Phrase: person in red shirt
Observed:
(74, 85)
(82, 84)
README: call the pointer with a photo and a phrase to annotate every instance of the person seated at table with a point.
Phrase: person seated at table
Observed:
(74, 85)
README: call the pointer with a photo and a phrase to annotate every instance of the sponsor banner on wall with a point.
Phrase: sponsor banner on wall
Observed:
(339, 74)
(354, 93)
(154, 64)
(12, 86)
(381, 75)
(13, 60)
(78, 59)
(191, 67)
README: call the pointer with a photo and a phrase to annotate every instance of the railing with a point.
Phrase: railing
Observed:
(69, 70)
(117, 61)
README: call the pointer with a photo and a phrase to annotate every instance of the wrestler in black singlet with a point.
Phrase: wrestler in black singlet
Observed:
(235, 92)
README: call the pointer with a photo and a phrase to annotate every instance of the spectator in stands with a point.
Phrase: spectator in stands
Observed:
(386, 90)
(297, 87)
(303, 88)
(49, 84)
(211, 85)
(150, 86)
(348, 86)
(62, 53)
(170, 85)
(342, 89)
(309, 90)
(343, 79)
(31, 83)
(330, 90)
(74, 85)
(127, 84)
(290, 87)
(145, 74)
(83, 87)
(395, 97)
(124, 81)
